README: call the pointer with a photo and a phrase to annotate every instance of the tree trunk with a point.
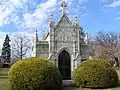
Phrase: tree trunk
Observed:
(21, 49)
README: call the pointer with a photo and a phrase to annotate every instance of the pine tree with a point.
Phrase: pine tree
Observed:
(6, 50)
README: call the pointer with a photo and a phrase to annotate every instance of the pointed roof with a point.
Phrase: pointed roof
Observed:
(61, 19)
(59, 22)
(64, 16)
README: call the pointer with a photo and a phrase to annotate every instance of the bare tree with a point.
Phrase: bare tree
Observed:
(20, 46)
(91, 46)
(109, 43)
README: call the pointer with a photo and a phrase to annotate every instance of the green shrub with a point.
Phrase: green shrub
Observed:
(34, 74)
(111, 62)
(95, 74)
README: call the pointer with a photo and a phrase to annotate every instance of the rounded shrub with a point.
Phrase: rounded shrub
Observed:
(111, 62)
(34, 74)
(95, 74)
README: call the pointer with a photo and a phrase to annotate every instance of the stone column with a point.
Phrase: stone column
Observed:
(51, 34)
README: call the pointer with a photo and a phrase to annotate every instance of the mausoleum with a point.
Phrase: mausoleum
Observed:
(66, 44)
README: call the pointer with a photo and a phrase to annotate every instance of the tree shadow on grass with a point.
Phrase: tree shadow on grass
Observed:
(117, 87)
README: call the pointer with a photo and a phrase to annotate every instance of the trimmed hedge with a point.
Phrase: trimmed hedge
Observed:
(34, 74)
(111, 62)
(95, 74)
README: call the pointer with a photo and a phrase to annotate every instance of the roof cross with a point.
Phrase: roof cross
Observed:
(63, 6)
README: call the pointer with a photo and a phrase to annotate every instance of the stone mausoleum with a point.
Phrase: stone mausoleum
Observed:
(66, 44)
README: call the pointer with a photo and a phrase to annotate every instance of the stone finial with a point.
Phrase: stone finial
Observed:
(63, 6)
(51, 22)
(36, 35)
(44, 35)
(51, 18)
(76, 20)
(86, 37)
(76, 23)
(36, 32)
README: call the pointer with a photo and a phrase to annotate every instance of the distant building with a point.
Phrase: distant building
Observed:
(65, 45)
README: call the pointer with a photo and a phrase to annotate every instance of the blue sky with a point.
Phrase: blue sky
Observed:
(26, 16)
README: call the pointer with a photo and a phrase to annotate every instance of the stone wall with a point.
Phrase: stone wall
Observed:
(42, 49)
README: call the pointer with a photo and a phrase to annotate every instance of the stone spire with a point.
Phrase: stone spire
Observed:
(63, 6)
(36, 36)
(86, 37)
(76, 23)
(35, 40)
(51, 18)
(51, 22)
(44, 35)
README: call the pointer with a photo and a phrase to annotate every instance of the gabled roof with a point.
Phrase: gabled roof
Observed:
(47, 36)
(58, 23)
(63, 16)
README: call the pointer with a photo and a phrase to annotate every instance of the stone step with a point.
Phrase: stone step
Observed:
(67, 82)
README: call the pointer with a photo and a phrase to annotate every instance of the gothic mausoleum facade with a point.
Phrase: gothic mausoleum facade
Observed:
(66, 44)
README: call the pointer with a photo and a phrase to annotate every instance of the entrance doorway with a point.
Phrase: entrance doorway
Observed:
(64, 65)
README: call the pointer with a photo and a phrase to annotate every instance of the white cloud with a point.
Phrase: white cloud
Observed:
(78, 6)
(118, 18)
(16, 20)
(41, 14)
(8, 8)
(37, 18)
(115, 3)
(85, 14)
(83, 1)
(118, 13)
(105, 1)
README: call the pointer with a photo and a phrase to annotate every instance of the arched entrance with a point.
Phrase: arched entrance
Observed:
(64, 65)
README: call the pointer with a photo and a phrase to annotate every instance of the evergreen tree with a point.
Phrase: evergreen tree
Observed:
(6, 50)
